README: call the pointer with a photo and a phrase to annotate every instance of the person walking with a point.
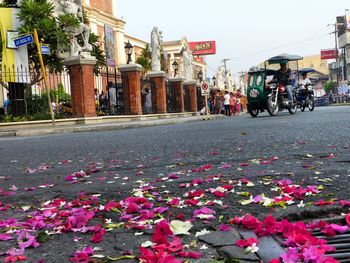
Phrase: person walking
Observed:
(227, 103)
(232, 104)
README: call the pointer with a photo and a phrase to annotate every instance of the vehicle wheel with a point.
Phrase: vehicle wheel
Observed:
(311, 105)
(293, 108)
(253, 111)
(272, 108)
(302, 107)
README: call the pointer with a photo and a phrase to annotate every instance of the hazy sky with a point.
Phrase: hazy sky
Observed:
(242, 29)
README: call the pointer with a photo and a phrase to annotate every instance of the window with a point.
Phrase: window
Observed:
(258, 80)
(251, 81)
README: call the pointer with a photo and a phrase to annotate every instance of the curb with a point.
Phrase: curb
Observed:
(104, 127)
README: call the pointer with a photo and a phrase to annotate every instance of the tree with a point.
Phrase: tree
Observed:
(145, 60)
(330, 86)
(39, 14)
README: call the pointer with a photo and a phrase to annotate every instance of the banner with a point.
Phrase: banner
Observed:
(14, 66)
(109, 46)
(203, 48)
(329, 54)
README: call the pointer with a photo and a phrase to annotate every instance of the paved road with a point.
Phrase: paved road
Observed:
(310, 148)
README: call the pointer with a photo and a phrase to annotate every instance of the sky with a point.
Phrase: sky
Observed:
(246, 32)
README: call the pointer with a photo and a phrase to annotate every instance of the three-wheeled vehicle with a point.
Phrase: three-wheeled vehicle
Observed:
(271, 96)
(305, 93)
(257, 91)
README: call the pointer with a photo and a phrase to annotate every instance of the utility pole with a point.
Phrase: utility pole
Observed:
(336, 46)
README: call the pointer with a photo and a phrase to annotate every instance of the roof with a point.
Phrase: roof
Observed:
(284, 58)
(269, 72)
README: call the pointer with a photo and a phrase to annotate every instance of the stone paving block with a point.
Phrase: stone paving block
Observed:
(220, 238)
(234, 252)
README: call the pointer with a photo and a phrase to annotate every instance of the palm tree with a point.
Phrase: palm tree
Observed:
(145, 60)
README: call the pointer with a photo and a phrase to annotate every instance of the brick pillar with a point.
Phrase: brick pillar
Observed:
(178, 86)
(82, 86)
(160, 91)
(191, 86)
(131, 74)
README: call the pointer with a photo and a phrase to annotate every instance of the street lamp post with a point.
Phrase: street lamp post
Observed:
(175, 67)
(200, 76)
(129, 50)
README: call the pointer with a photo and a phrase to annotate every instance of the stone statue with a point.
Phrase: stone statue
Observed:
(220, 77)
(74, 49)
(229, 81)
(188, 64)
(156, 40)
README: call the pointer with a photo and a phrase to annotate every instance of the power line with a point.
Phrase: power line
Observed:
(278, 47)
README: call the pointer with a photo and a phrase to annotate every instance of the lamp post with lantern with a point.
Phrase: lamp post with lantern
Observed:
(175, 67)
(129, 49)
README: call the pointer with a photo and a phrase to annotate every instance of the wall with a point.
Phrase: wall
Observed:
(102, 5)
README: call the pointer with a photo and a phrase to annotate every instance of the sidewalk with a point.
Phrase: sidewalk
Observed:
(105, 123)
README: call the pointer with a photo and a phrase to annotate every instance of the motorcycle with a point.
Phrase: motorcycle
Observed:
(306, 97)
(277, 100)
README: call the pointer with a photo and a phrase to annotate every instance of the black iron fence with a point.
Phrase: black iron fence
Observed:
(171, 97)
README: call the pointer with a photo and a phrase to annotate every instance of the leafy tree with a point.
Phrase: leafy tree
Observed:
(145, 60)
(39, 14)
(330, 86)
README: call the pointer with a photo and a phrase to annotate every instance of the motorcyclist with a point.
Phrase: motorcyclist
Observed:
(284, 76)
(304, 81)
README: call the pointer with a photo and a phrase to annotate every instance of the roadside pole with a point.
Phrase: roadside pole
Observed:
(205, 92)
(43, 71)
(206, 105)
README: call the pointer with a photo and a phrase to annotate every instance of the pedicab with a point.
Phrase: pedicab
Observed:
(256, 90)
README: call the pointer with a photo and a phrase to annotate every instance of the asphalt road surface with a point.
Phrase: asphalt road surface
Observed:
(310, 148)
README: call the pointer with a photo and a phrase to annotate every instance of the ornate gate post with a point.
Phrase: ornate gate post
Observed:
(82, 86)
(131, 74)
(191, 88)
(160, 91)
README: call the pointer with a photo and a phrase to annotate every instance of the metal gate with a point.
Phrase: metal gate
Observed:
(187, 99)
(200, 100)
(148, 96)
(171, 97)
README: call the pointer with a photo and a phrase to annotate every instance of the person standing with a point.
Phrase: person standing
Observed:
(238, 101)
(232, 103)
(112, 95)
(218, 103)
(7, 104)
(147, 100)
(227, 103)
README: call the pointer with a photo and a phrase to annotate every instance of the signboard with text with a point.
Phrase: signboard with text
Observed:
(205, 89)
(329, 54)
(24, 40)
(45, 50)
(203, 48)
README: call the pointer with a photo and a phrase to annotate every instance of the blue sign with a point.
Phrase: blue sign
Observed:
(45, 50)
(24, 40)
